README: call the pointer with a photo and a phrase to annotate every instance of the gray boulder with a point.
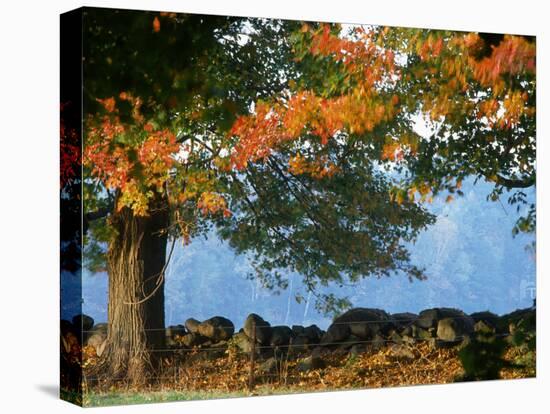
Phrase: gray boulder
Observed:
(336, 333)
(298, 330)
(358, 349)
(376, 343)
(298, 344)
(97, 338)
(192, 325)
(262, 328)
(421, 333)
(429, 318)
(313, 333)
(401, 352)
(484, 327)
(216, 350)
(524, 319)
(100, 327)
(403, 320)
(488, 317)
(269, 366)
(310, 363)
(280, 335)
(395, 337)
(191, 340)
(364, 323)
(172, 332)
(406, 331)
(242, 342)
(217, 328)
(454, 329)
(408, 340)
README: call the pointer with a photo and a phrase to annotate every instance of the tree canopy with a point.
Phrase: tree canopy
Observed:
(475, 92)
(174, 106)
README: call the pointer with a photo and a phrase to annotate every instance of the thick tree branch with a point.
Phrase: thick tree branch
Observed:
(516, 183)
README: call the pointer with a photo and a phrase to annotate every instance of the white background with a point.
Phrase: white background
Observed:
(29, 223)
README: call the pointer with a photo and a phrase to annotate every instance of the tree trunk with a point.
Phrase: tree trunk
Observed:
(136, 261)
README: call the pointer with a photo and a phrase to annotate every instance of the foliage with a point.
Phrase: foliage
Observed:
(483, 358)
(475, 92)
(196, 377)
(163, 95)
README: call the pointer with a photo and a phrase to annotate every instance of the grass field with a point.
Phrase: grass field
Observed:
(117, 398)
(104, 399)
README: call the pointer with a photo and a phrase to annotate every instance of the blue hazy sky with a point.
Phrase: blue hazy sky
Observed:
(471, 260)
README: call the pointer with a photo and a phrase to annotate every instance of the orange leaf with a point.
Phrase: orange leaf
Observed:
(156, 25)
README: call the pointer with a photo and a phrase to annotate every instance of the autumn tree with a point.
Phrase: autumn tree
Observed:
(160, 90)
(180, 136)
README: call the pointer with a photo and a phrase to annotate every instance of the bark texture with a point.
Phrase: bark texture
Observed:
(136, 261)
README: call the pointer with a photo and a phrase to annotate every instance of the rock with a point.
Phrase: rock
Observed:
(269, 366)
(263, 328)
(429, 318)
(455, 329)
(70, 343)
(395, 337)
(407, 339)
(310, 363)
(465, 342)
(420, 333)
(216, 350)
(488, 317)
(313, 334)
(335, 333)
(406, 331)
(298, 344)
(242, 342)
(350, 341)
(220, 345)
(484, 327)
(363, 323)
(217, 328)
(321, 351)
(172, 332)
(98, 342)
(100, 327)
(488, 323)
(434, 343)
(83, 322)
(192, 325)
(403, 320)
(525, 319)
(402, 352)
(191, 340)
(358, 349)
(280, 336)
(376, 343)
(68, 331)
(97, 338)
(298, 330)
(66, 326)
